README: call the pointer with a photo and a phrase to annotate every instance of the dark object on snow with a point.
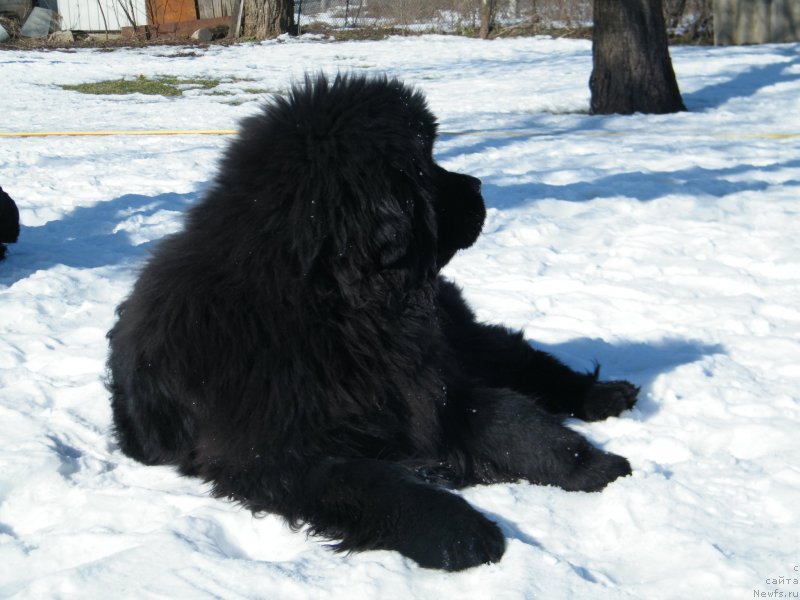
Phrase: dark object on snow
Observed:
(9, 222)
(295, 346)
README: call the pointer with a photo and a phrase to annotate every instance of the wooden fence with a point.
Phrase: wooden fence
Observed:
(756, 21)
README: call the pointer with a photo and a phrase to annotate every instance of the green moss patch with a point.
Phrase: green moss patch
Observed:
(161, 85)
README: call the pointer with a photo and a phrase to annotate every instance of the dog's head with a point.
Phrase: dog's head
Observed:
(343, 175)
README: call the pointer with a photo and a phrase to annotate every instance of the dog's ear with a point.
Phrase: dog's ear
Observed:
(389, 226)
(351, 224)
(406, 231)
(392, 235)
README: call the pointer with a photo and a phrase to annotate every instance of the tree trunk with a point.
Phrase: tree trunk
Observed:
(487, 18)
(632, 67)
(267, 18)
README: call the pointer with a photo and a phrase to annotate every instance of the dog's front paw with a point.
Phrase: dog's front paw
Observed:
(608, 399)
(452, 536)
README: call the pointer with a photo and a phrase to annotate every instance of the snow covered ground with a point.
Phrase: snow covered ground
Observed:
(665, 247)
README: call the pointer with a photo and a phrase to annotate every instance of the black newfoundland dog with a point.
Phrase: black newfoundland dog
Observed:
(295, 347)
(9, 222)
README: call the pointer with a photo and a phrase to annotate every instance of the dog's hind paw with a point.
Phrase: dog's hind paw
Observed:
(608, 399)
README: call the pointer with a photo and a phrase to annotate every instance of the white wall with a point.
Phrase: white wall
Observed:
(87, 15)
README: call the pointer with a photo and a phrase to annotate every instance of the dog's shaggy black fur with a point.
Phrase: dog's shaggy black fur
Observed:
(9, 222)
(295, 346)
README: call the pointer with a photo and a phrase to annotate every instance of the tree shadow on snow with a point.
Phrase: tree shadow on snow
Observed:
(747, 83)
(639, 362)
(643, 186)
(535, 125)
(94, 236)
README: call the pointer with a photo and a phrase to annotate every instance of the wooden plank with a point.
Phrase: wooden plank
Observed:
(173, 11)
(205, 9)
(214, 9)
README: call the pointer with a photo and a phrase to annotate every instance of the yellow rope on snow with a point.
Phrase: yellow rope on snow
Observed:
(771, 136)
(723, 135)
(119, 133)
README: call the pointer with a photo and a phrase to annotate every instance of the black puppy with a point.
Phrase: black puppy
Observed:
(295, 346)
(9, 222)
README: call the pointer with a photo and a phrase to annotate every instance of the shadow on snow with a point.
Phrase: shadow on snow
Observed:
(640, 362)
(747, 83)
(642, 186)
(88, 237)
